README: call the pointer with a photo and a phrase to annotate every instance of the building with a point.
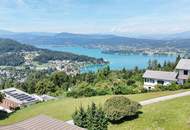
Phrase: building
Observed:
(153, 78)
(41, 122)
(16, 98)
(183, 70)
(180, 75)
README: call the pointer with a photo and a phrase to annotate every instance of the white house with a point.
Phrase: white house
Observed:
(183, 70)
(153, 78)
(180, 75)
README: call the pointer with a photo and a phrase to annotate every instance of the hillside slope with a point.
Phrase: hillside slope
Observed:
(11, 53)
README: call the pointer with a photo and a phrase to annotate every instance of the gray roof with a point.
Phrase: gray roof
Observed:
(160, 75)
(183, 64)
(41, 122)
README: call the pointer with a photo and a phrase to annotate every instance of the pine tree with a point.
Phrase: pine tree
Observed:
(96, 118)
(80, 118)
(93, 119)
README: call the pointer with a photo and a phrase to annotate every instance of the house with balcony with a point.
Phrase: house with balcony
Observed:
(180, 75)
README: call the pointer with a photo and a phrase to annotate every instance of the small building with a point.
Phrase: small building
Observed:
(180, 75)
(16, 98)
(153, 78)
(183, 70)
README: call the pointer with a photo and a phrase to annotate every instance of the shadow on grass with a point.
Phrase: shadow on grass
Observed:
(127, 118)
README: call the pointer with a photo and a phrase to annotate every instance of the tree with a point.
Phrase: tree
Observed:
(45, 86)
(119, 107)
(96, 118)
(61, 80)
(92, 119)
(1, 96)
(177, 59)
(80, 118)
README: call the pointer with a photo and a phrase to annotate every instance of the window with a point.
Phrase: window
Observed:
(149, 80)
(185, 72)
(160, 82)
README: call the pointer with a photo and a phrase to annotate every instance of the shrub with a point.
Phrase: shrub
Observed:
(96, 118)
(187, 84)
(3, 115)
(130, 82)
(93, 119)
(80, 118)
(119, 107)
(103, 91)
(123, 90)
(82, 92)
(173, 86)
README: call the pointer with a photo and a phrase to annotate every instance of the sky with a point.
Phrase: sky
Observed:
(96, 16)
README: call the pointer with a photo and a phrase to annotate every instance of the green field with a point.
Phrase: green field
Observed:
(169, 114)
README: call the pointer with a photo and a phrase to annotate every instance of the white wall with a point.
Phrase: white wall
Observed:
(181, 73)
(148, 85)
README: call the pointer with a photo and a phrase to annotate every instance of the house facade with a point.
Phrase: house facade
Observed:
(153, 78)
(183, 70)
(180, 75)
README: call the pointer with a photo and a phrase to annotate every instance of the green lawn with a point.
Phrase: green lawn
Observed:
(168, 115)
(64, 107)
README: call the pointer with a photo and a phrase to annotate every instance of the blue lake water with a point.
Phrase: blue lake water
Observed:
(128, 61)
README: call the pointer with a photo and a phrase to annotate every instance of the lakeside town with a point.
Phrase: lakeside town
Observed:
(125, 50)
(94, 65)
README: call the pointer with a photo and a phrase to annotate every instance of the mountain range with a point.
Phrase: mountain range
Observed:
(178, 40)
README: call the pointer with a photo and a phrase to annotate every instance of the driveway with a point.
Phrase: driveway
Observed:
(164, 98)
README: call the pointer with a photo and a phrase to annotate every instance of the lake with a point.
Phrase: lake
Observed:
(128, 61)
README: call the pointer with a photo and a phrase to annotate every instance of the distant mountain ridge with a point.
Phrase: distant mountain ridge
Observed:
(95, 40)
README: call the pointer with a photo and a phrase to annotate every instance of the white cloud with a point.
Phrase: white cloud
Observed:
(153, 24)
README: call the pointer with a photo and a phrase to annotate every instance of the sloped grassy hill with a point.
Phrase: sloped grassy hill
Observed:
(170, 115)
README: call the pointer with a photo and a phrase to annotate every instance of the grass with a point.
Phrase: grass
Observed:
(63, 108)
(168, 115)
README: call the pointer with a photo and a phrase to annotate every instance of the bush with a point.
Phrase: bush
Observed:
(3, 115)
(82, 92)
(80, 118)
(118, 90)
(187, 84)
(93, 119)
(119, 107)
(130, 82)
(103, 91)
(172, 87)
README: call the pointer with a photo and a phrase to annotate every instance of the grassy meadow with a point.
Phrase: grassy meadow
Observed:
(172, 114)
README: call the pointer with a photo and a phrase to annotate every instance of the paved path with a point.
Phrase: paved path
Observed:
(164, 98)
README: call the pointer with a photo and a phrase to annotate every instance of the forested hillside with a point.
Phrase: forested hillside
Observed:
(11, 54)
